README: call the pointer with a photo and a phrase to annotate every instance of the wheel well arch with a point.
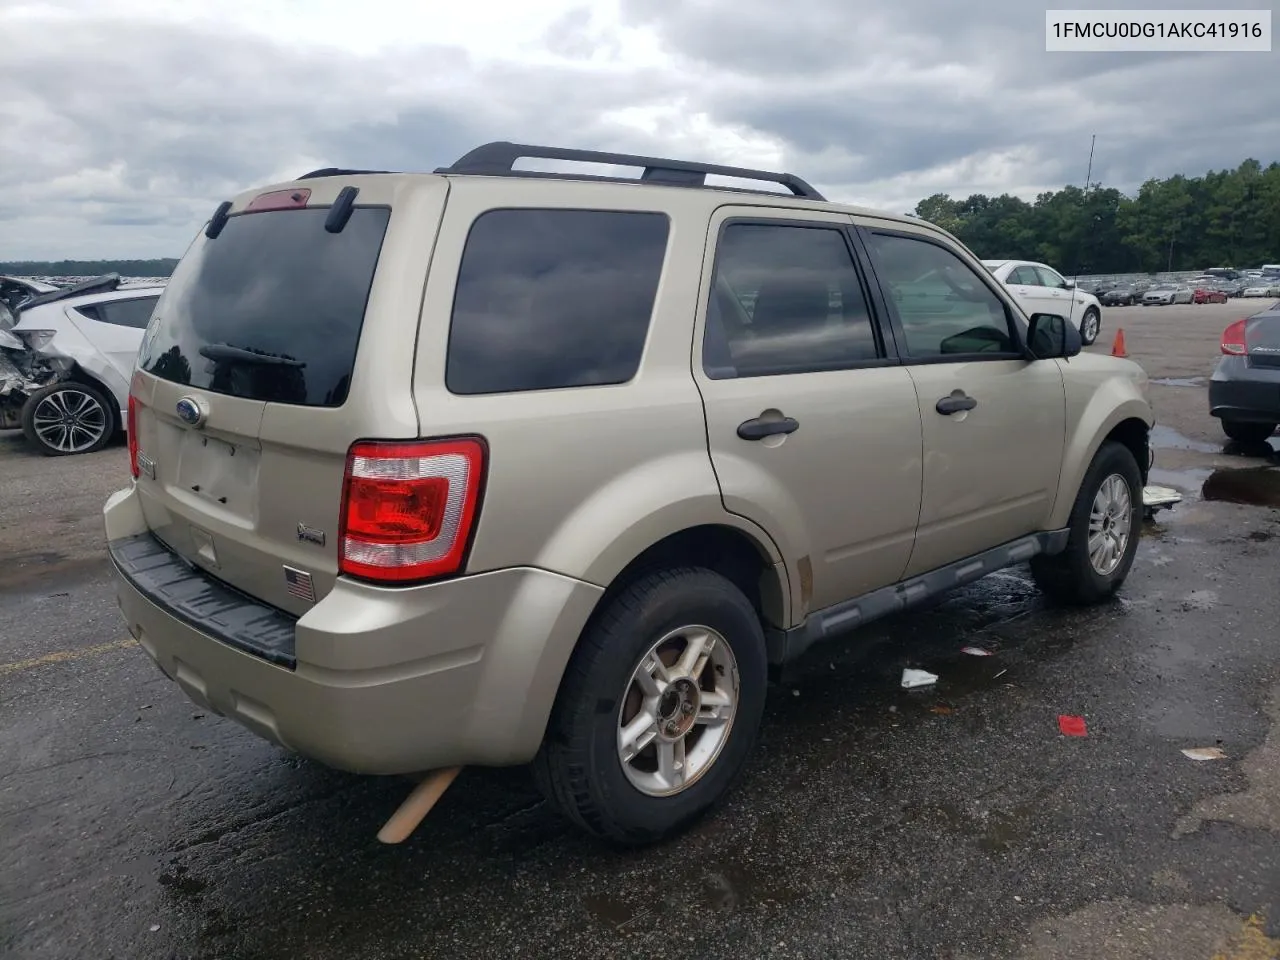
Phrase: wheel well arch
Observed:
(80, 374)
(726, 550)
(1134, 434)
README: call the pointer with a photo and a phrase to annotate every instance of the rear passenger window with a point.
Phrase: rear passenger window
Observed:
(553, 298)
(785, 299)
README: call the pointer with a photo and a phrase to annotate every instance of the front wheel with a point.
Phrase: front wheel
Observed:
(1103, 532)
(67, 418)
(658, 709)
(1245, 432)
(1090, 325)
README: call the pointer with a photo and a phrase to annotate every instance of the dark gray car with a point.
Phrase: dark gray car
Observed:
(1244, 392)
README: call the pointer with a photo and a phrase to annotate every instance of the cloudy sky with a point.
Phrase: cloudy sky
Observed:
(124, 122)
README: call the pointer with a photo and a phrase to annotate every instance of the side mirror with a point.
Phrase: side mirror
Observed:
(1068, 284)
(1052, 337)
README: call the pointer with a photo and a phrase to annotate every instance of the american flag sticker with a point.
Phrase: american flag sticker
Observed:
(299, 584)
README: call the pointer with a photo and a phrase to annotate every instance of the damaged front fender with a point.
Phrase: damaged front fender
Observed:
(22, 373)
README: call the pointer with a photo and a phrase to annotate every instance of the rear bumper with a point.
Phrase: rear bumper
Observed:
(371, 679)
(1248, 394)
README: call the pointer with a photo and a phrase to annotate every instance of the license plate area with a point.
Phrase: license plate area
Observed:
(221, 473)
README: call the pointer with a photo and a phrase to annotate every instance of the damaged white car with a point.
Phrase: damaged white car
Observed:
(65, 361)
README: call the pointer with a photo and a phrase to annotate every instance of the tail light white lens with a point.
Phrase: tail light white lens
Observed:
(1233, 339)
(408, 509)
(131, 427)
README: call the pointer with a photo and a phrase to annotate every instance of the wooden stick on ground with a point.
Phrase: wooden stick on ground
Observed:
(417, 805)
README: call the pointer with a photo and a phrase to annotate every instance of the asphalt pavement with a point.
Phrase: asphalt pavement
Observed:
(954, 822)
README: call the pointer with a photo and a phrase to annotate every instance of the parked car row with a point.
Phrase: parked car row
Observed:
(1214, 285)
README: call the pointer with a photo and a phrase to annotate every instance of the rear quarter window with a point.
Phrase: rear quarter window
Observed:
(548, 299)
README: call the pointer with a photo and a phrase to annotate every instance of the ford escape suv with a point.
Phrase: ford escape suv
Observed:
(490, 466)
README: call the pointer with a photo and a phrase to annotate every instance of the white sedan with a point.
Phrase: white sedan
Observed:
(66, 364)
(1262, 288)
(1164, 294)
(1039, 288)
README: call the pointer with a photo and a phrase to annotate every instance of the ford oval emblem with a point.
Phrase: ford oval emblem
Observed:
(190, 412)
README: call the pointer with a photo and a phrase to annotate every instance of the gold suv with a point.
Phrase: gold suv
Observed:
(490, 466)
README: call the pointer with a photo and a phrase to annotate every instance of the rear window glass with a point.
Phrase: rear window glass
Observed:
(553, 298)
(269, 310)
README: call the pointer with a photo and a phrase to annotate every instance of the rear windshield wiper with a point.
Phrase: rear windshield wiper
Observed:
(225, 351)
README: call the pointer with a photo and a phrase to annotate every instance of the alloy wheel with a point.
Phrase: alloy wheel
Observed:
(70, 420)
(677, 710)
(1110, 525)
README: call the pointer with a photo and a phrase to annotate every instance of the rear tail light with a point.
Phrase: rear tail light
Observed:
(1233, 339)
(131, 427)
(408, 509)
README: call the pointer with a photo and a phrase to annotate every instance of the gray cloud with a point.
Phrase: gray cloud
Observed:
(916, 85)
(119, 136)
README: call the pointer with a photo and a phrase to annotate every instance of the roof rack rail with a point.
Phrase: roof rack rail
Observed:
(337, 172)
(498, 159)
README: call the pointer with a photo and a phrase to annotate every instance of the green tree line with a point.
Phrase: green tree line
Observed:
(1226, 218)
(89, 268)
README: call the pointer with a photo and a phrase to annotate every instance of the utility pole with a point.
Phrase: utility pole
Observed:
(1089, 175)
(1084, 203)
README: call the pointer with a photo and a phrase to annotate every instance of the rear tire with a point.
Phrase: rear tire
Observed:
(68, 418)
(582, 768)
(1245, 432)
(1104, 528)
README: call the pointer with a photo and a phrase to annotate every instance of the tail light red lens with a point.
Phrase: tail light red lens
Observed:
(408, 509)
(131, 427)
(1233, 339)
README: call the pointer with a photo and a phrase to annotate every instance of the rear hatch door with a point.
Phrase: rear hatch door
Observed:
(276, 344)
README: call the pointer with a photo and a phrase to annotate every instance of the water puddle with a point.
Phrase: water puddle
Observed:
(1188, 481)
(1179, 381)
(1164, 437)
(994, 830)
(723, 888)
(1252, 486)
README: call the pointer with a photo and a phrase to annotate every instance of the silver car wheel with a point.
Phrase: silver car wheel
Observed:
(1110, 525)
(1091, 324)
(70, 420)
(677, 710)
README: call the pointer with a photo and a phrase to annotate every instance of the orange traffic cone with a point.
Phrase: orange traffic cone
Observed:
(1117, 348)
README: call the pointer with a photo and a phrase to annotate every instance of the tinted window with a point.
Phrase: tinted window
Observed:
(785, 299)
(943, 305)
(126, 313)
(1049, 278)
(1025, 276)
(553, 298)
(271, 309)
